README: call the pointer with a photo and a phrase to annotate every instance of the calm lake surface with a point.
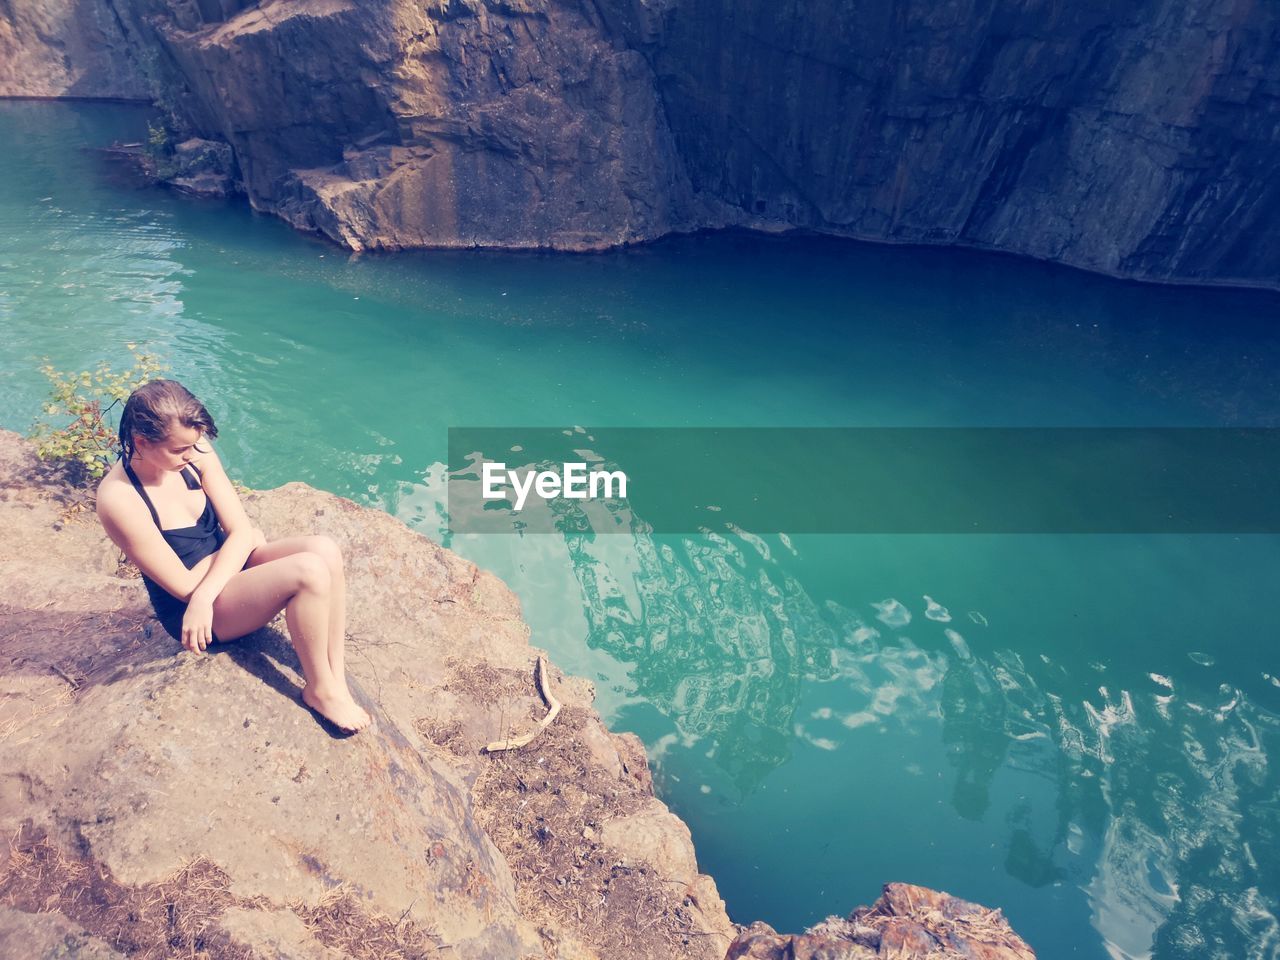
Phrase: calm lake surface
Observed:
(1082, 730)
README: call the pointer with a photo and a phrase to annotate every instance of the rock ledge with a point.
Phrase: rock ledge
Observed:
(136, 777)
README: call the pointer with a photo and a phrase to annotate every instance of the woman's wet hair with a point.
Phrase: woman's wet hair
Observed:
(153, 409)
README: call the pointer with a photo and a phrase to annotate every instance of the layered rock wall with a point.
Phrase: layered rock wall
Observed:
(1138, 140)
(386, 124)
(66, 48)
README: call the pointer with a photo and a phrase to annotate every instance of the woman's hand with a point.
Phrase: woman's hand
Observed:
(197, 624)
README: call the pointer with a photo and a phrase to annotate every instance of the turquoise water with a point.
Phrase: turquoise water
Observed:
(1080, 730)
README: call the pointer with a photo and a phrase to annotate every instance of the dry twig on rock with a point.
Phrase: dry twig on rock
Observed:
(553, 705)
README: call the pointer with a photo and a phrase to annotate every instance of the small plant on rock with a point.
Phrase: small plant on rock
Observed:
(76, 428)
(160, 151)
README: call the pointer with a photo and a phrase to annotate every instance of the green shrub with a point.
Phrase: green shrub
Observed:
(78, 405)
(160, 150)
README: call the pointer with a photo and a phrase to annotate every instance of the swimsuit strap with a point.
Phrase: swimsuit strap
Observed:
(193, 484)
(137, 485)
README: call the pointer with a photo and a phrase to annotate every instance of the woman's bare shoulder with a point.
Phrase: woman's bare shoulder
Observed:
(113, 490)
(208, 459)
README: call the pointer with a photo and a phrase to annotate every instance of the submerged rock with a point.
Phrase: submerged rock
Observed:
(906, 923)
(162, 801)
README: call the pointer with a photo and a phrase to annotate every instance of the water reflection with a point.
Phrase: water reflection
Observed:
(1160, 809)
(973, 727)
(716, 637)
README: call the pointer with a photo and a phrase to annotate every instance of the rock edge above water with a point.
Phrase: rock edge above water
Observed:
(124, 760)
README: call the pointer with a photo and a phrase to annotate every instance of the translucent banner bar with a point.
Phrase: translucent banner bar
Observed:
(864, 480)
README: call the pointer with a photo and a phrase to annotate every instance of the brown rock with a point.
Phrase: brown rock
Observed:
(279, 934)
(635, 762)
(906, 938)
(907, 923)
(807, 947)
(658, 836)
(759, 941)
(203, 168)
(61, 48)
(49, 936)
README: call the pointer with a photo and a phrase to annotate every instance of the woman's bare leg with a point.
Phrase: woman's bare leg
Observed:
(300, 584)
(331, 554)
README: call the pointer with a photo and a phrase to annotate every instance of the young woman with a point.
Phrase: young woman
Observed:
(211, 575)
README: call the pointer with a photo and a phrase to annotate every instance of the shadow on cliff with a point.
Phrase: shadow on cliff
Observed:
(262, 654)
(84, 650)
(65, 482)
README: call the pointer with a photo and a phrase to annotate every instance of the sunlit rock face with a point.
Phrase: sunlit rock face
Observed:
(1135, 141)
(388, 124)
(393, 125)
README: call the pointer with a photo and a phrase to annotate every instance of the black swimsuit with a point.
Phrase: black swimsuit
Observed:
(192, 544)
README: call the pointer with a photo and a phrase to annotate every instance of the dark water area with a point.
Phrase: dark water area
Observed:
(1077, 729)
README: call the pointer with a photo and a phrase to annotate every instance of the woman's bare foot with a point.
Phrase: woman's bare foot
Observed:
(338, 709)
(363, 712)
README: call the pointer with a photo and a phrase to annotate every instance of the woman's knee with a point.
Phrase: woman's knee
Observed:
(325, 548)
(311, 572)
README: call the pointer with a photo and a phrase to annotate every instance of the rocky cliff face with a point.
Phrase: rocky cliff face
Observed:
(1138, 141)
(161, 803)
(386, 124)
(66, 48)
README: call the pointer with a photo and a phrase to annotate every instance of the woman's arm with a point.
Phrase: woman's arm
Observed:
(242, 537)
(242, 540)
(128, 523)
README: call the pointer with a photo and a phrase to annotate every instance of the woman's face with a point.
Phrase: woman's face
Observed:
(174, 452)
